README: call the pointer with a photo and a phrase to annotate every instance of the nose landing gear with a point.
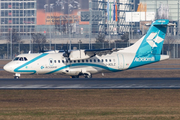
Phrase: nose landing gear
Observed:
(17, 75)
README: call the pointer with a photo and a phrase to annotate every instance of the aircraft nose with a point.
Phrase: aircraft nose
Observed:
(7, 68)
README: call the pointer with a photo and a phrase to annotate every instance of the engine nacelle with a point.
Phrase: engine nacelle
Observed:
(78, 55)
(71, 71)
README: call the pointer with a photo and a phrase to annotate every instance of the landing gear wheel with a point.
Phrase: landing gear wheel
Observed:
(16, 77)
(75, 76)
(88, 76)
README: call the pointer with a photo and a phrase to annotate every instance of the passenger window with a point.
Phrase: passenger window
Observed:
(54, 61)
(86, 60)
(70, 61)
(58, 61)
(74, 61)
(62, 61)
(94, 60)
(82, 60)
(78, 61)
(50, 61)
(109, 60)
(90, 60)
(99, 60)
(66, 61)
(102, 60)
(106, 60)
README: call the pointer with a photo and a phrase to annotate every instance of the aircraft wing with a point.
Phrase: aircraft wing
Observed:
(100, 52)
(86, 54)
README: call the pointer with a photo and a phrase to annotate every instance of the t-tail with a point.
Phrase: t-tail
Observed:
(150, 46)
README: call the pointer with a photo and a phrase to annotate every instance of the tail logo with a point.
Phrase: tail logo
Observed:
(153, 39)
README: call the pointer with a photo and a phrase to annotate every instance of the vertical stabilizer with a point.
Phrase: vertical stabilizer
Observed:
(154, 39)
(150, 46)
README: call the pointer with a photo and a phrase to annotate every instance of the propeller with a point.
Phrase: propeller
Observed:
(41, 49)
(66, 52)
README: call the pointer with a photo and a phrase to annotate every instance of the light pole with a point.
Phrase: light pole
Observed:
(90, 23)
(3, 29)
(69, 25)
(26, 18)
(51, 10)
(11, 43)
(45, 6)
(178, 30)
(45, 9)
(19, 16)
(79, 44)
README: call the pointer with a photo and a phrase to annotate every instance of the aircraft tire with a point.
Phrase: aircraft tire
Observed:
(88, 76)
(75, 76)
(16, 77)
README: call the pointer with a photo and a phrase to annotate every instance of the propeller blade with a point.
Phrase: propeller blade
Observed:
(66, 52)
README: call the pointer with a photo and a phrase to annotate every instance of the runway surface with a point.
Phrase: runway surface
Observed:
(94, 83)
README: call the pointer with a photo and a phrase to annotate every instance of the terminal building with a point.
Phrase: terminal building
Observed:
(63, 16)
(77, 17)
(17, 14)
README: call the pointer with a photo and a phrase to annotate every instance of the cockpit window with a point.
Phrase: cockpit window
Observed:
(25, 58)
(20, 59)
(16, 59)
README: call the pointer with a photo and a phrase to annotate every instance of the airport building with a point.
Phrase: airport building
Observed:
(74, 15)
(17, 14)
(64, 16)
(171, 8)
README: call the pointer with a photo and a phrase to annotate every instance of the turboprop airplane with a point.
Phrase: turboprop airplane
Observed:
(87, 62)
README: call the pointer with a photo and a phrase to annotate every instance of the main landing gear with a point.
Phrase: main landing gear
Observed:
(75, 76)
(86, 75)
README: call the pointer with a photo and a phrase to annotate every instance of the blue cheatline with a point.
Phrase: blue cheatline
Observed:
(85, 64)
(29, 62)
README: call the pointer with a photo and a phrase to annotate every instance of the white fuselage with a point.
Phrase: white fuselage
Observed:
(47, 63)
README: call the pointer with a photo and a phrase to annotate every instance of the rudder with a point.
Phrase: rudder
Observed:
(154, 39)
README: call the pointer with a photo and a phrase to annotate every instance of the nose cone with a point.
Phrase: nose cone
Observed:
(8, 68)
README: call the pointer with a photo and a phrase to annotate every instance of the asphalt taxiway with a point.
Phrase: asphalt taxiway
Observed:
(94, 83)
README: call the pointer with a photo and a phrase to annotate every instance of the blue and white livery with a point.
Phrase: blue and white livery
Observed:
(87, 62)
